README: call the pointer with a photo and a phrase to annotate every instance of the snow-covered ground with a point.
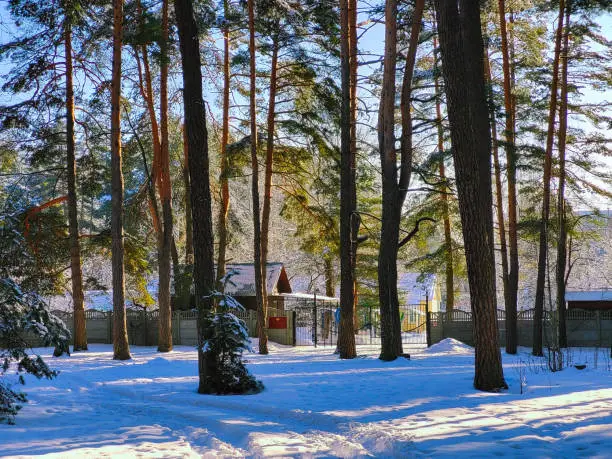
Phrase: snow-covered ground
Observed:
(315, 405)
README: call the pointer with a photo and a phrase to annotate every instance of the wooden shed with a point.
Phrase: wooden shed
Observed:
(241, 282)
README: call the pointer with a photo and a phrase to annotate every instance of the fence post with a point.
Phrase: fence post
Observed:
(427, 320)
(146, 328)
(371, 324)
(293, 320)
(598, 315)
(315, 319)
(176, 319)
(109, 326)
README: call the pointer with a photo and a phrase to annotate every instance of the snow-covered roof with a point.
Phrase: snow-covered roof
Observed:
(412, 287)
(589, 295)
(242, 281)
(309, 296)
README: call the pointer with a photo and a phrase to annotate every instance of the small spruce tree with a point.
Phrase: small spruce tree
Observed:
(229, 338)
(24, 315)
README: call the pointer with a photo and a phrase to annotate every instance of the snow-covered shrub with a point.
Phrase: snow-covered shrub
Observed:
(24, 315)
(228, 338)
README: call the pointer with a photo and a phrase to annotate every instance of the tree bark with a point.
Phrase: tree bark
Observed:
(188, 217)
(197, 140)
(265, 216)
(147, 96)
(223, 178)
(121, 348)
(561, 212)
(511, 284)
(463, 70)
(346, 337)
(391, 342)
(511, 331)
(543, 245)
(165, 193)
(80, 331)
(353, 65)
(394, 188)
(329, 277)
(260, 270)
(448, 241)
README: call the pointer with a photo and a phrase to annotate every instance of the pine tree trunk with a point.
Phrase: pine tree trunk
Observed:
(201, 204)
(543, 245)
(561, 214)
(394, 189)
(330, 292)
(463, 70)
(509, 133)
(155, 169)
(260, 270)
(448, 241)
(80, 332)
(391, 342)
(329, 277)
(153, 208)
(188, 217)
(121, 348)
(353, 66)
(511, 330)
(146, 90)
(346, 337)
(265, 216)
(223, 178)
(165, 193)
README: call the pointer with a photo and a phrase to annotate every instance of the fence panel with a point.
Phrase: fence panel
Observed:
(307, 324)
(584, 328)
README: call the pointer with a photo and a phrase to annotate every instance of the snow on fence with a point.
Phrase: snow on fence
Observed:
(584, 328)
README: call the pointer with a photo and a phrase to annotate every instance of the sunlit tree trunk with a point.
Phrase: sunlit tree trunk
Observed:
(543, 244)
(80, 332)
(265, 216)
(121, 348)
(448, 241)
(188, 217)
(222, 229)
(144, 78)
(346, 337)
(503, 248)
(165, 193)
(511, 284)
(262, 318)
(561, 213)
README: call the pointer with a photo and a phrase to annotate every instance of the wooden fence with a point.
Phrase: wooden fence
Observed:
(584, 328)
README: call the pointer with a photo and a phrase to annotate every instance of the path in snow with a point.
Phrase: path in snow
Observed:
(314, 405)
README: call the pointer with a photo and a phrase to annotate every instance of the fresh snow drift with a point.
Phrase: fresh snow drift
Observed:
(315, 405)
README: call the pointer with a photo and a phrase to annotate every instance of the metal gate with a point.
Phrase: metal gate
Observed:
(413, 324)
(317, 323)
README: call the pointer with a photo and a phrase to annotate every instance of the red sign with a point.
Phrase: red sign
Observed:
(277, 322)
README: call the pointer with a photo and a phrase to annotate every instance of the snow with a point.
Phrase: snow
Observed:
(589, 295)
(315, 405)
